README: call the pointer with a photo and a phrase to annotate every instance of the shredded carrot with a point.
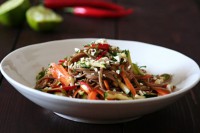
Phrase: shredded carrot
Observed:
(92, 95)
(106, 84)
(127, 81)
(161, 91)
(59, 72)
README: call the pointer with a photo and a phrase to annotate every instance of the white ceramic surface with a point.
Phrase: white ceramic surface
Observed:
(22, 65)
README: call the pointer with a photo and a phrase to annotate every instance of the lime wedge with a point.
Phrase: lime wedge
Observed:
(12, 12)
(41, 18)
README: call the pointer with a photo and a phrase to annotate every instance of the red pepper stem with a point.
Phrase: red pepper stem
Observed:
(69, 10)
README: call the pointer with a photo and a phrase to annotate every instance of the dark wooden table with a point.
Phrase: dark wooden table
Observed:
(174, 24)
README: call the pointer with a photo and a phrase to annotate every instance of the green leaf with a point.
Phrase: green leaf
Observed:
(40, 75)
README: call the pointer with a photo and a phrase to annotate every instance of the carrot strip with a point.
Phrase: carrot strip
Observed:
(106, 84)
(127, 82)
(59, 72)
(161, 91)
(92, 95)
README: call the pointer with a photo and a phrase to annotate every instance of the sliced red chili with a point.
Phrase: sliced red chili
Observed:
(101, 46)
(94, 46)
(85, 87)
(61, 62)
(101, 55)
(104, 46)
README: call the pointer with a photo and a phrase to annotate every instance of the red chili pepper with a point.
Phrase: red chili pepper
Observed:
(104, 46)
(98, 13)
(61, 61)
(85, 87)
(101, 46)
(94, 46)
(101, 54)
(56, 4)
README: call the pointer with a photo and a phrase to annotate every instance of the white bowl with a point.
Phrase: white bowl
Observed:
(22, 65)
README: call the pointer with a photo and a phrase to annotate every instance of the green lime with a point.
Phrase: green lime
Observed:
(41, 18)
(12, 12)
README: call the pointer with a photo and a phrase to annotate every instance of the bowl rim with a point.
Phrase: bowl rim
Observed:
(74, 100)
